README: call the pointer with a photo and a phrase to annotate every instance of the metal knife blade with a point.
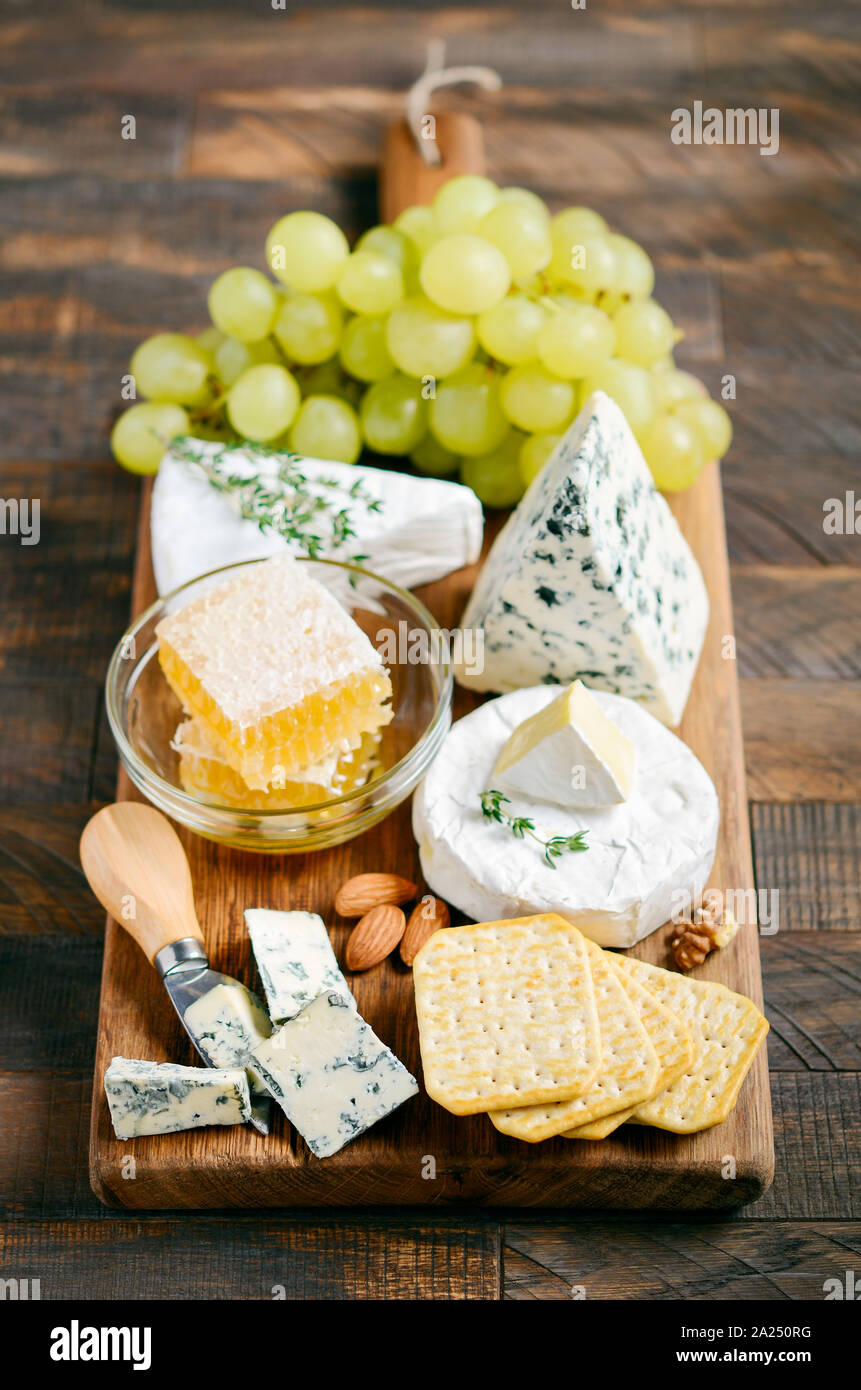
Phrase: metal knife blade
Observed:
(196, 993)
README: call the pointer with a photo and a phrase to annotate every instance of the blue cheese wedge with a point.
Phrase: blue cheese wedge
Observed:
(160, 1098)
(295, 959)
(331, 1075)
(591, 578)
(227, 1022)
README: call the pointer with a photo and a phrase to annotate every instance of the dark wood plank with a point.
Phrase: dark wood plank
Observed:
(43, 1155)
(735, 1261)
(812, 986)
(65, 600)
(798, 621)
(324, 1258)
(801, 739)
(49, 995)
(42, 887)
(817, 1136)
(179, 51)
(810, 853)
(48, 733)
(53, 132)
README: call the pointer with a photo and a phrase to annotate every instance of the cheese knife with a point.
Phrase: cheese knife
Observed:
(136, 866)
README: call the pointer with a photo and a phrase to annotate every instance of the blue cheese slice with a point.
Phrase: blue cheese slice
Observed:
(331, 1075)
(226, 1023)
(591, 578)
(295, 959)
(160, 1098)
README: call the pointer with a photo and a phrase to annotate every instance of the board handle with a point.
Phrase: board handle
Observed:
(405, 177)
(136, 866)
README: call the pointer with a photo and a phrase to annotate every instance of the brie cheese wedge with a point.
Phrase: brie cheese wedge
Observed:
(414, 531)
(570, 753)
(641, 853)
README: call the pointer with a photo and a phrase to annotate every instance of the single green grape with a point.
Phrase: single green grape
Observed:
(210, 340)
(672, 387)
(418, 225)
(172, 367)
(465, 415)
(329, 379)
(495, 478)
(462, 202)
(243, 304)
(262, 402)
(232, 357)
(635, 274)
(392, 243)
(363, 350)
(424, 341)
(709, 421)
(393, 415)
(509, 331)
(631, 387)
(521, 233)
(644, 332)
(575, 341)
(534, 453)
(464, 274)
(576, 222)
(309, 327)
(326, 428)
(143, 432)
(370, 283)
(431, 458)
(525, 198)
(306, 251)
(673, 451)
(535, 400)
(588, 263)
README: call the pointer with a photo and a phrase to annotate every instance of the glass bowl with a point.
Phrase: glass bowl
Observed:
(144, 714)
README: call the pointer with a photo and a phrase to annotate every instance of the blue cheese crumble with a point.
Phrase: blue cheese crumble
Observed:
(294, 958)
(331, 1075)
(160, 1098)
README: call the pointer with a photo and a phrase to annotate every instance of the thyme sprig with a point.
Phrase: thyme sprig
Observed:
(492, 803)
(285, 500)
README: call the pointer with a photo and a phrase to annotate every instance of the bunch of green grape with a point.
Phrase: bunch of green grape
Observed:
(465, 336)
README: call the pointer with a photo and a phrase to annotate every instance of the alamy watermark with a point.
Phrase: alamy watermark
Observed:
(747, 906)
(416, 646)
(734, 126)
(20, 516)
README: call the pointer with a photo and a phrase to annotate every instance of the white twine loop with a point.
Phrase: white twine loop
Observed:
(436, 75)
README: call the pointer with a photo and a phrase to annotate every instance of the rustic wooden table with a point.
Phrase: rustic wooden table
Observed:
(240, 115)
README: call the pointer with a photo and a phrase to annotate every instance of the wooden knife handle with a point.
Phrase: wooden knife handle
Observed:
(136, 866)
(406, 179)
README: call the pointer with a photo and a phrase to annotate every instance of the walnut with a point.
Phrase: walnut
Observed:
(692, 941)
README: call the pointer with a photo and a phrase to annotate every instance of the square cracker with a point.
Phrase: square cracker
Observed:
(629, 1069)
(506, 1014)
(669, 1036)
(727, 1031)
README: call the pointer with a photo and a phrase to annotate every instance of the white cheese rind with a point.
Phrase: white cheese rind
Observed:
(592, 578)
(331, 1075)
(294, 958)
(160, 1098)
(660, 841)
(424, 529)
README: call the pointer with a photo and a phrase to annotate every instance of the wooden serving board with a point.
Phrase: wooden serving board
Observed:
(422, 1154)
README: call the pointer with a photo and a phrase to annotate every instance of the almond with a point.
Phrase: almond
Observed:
(428, 916)
(359, 894)
(375, 936)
